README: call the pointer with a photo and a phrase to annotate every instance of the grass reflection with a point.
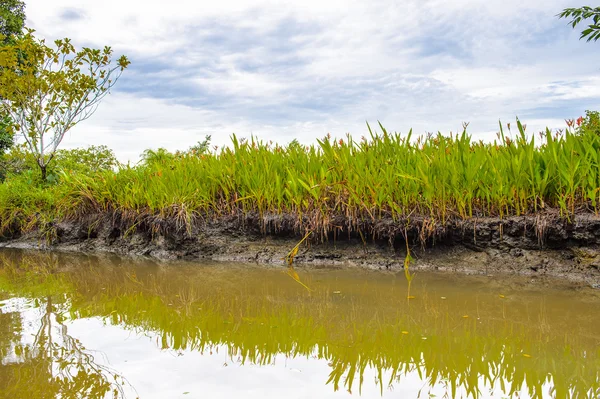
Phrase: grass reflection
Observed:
(355, 325)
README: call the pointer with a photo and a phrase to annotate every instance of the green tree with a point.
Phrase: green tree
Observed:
(12, 18)
(577, 15)
(52, 89)
(589, 123)
(12, 22)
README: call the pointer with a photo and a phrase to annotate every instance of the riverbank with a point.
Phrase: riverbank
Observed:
(518, 205)
(544, 245)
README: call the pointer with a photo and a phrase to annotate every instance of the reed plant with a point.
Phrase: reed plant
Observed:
(385, 176)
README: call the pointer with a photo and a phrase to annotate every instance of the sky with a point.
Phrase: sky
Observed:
(301, 69)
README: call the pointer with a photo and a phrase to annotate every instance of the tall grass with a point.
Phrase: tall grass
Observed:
(383, 176)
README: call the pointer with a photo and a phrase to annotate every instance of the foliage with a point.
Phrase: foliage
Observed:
(201, 147)
(590, 123)
(159, 156)
(18, 161)
(437, 178)
(87, 161)
(12, 18)
(162, 156)
(53, 89)
(12, 21)
(20, 164)
(577, 15)
(6, 139)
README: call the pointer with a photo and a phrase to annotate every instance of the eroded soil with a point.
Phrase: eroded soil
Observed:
(542, 246)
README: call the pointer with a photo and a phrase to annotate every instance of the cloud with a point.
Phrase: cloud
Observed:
(306, 68)
(71, 14)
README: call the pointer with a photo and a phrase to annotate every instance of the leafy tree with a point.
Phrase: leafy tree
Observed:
(12, 22)
(592, 32)
(52, 89)
(591, 122)
(12, 18)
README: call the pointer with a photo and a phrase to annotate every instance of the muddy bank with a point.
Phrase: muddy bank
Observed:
(545, 245)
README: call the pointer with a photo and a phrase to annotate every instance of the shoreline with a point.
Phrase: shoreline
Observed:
(542, 245)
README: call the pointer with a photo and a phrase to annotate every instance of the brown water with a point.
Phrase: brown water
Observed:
(87, 327)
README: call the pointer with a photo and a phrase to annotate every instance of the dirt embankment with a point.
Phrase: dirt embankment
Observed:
(542, 245)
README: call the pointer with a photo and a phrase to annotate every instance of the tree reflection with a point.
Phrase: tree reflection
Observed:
(55, 364)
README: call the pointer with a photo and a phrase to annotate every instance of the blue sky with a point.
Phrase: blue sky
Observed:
(302, 69)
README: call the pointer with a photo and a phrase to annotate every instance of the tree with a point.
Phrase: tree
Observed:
(589, 123)
(48, 90)
(592, 32)
(12, 18)
(12, 22)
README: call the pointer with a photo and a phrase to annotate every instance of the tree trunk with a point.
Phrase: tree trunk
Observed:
(43, 168)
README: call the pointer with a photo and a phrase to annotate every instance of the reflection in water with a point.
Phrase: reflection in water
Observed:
(54, 364)
(474, 337)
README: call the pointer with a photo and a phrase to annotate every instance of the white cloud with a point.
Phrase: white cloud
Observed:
(303, 68)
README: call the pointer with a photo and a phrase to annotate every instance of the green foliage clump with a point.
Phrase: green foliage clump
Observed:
(21, 164)
(6, 138)
(578, 15)
(162, 156)
(12, 22)
(27, 201)
(589, 123)
(86, 161)
(6, 141)
(12, 18)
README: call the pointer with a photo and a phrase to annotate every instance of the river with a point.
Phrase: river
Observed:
(76, 326)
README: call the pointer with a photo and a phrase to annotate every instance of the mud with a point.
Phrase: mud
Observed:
(541, 246)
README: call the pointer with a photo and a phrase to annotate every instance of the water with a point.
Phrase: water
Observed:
(88, 327)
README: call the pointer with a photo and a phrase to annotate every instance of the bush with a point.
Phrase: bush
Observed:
(591, 122)
(19, 163)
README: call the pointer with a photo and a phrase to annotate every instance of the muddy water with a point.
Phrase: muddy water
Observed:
(86, 327)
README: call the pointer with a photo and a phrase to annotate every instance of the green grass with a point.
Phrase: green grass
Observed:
(385, 175)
